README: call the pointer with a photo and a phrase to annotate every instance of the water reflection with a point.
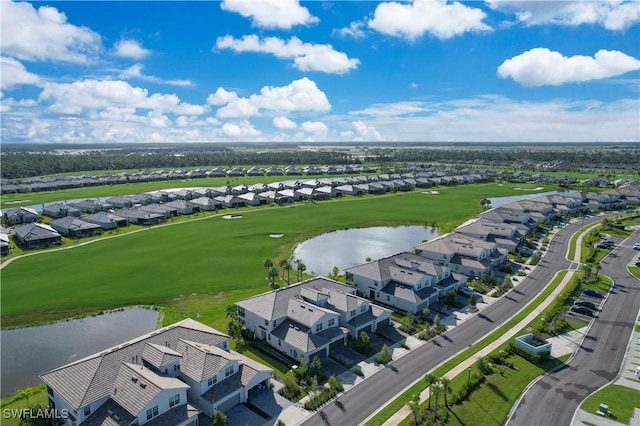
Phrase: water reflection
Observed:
(31, 351)
(350, 247)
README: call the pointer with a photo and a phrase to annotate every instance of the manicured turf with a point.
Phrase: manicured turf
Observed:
(620, 399)
(213, 256)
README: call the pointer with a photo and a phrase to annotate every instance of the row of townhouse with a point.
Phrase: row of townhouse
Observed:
(310, 318)
(35, 184)
(166, 377)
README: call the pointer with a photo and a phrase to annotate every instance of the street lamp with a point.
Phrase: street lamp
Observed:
(468, 381)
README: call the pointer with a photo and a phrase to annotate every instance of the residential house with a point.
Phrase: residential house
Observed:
(231, 201)
(521, 220)
(75, 228)
(463, 254)
(255, 171)
(166, 377)
(36, 235)
(91, 206)
(106, 220)
(310, 318)
(120, 201)
(57, 210)
(570, 203)
(183, 207)
(540, 211)
(602, 200)
(5, 246)
(252, 199)
(404, 281)
(141, 217)
(206, 203)
(18, 215)
(166, 210)
(505, 236)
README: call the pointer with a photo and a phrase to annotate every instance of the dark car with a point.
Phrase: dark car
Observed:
(586, 304)
(582, 310)
(593, 293)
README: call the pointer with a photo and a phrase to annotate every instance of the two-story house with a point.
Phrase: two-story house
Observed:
(404, 281)
(310, 318)
(166, 377)
(463, 254)
(521, 220)
(505, 236)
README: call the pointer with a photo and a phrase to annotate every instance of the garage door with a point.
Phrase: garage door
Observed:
(383, 323)
(337, 344)
(230, 403)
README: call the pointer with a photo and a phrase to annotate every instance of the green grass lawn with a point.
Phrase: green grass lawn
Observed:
(15, 402)
(220, 258)
(620, 399)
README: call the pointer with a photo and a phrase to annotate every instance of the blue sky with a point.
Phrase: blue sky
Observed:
(290, 71)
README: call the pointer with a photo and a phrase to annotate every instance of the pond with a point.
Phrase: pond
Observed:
(501, 201)
(30, 351)
(351, 247)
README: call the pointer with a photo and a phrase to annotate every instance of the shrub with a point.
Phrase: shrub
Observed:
(385, 355)
(530, 356)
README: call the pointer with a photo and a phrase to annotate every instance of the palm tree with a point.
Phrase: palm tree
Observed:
(301, 267)
(414, 406)
(287, 268)
(283, 266)
(430, 379)
(445, 387)
(230, 311)
(273, 273)
(436, 388)
(26, 393)
(268, 263)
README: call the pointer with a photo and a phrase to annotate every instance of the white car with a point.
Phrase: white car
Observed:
(636, 246)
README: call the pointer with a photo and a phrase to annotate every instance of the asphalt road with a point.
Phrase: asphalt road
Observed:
(360, 401)
(554, 398)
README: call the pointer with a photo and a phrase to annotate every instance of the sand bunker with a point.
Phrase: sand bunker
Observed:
(430, 192)
(537, 188)
(276, 235)
(232, 216)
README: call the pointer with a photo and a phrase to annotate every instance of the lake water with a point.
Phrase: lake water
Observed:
(501, 201)
(351, 247)
(31, 351)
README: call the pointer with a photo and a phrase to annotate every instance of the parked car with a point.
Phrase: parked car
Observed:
(582, 310)
(636, 246)
(586, 304)
(593, 293)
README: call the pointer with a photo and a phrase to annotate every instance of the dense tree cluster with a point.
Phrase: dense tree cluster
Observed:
(16, 165)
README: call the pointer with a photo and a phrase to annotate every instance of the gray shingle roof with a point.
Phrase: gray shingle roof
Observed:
(35, 231)
(73, 223)
(298, 335)
(387, 268)
(158, 355)
(136, 386)
(91, 379)
(273, 304)
(201, 361)
(110, 414)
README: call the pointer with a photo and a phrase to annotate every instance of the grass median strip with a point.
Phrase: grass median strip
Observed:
(383, 415)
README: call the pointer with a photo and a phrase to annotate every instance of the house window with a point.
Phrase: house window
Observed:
(268, 337)
(152, 412)
(318, 327)
(279, 342)
(228, 371)
(174, 400)
(388, 298)
(87, 410)
(353, 313)
(212, 381)
(332, 321)
(363, 308)
(266, 323)
(378, 294)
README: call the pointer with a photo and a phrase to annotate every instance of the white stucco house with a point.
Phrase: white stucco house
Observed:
(404, 281)
(166, 377)
(463, 254)
(310, 318)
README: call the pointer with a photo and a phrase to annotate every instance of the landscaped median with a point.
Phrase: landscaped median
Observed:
(462, 361)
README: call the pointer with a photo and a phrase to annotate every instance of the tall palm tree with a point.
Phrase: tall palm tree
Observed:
(283, 266)
(301, 267)
(436, 388)
(287, 267)
(414, 406)
(445, 388)
(26, 393)
(273, 273)
(430, 379)
(268, 263)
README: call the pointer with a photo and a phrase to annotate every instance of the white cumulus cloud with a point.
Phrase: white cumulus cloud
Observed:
(242, 130)
(130, 49)
(306, 56)
(44, 34)
(317, 130)
(135, 72)
(271, 13)
(541, 66)
(611, 14)
(299, 95)
(13, 73)
(353, 30)
(90, 95)
(365, 133)
(284, 123)
(439, 18)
